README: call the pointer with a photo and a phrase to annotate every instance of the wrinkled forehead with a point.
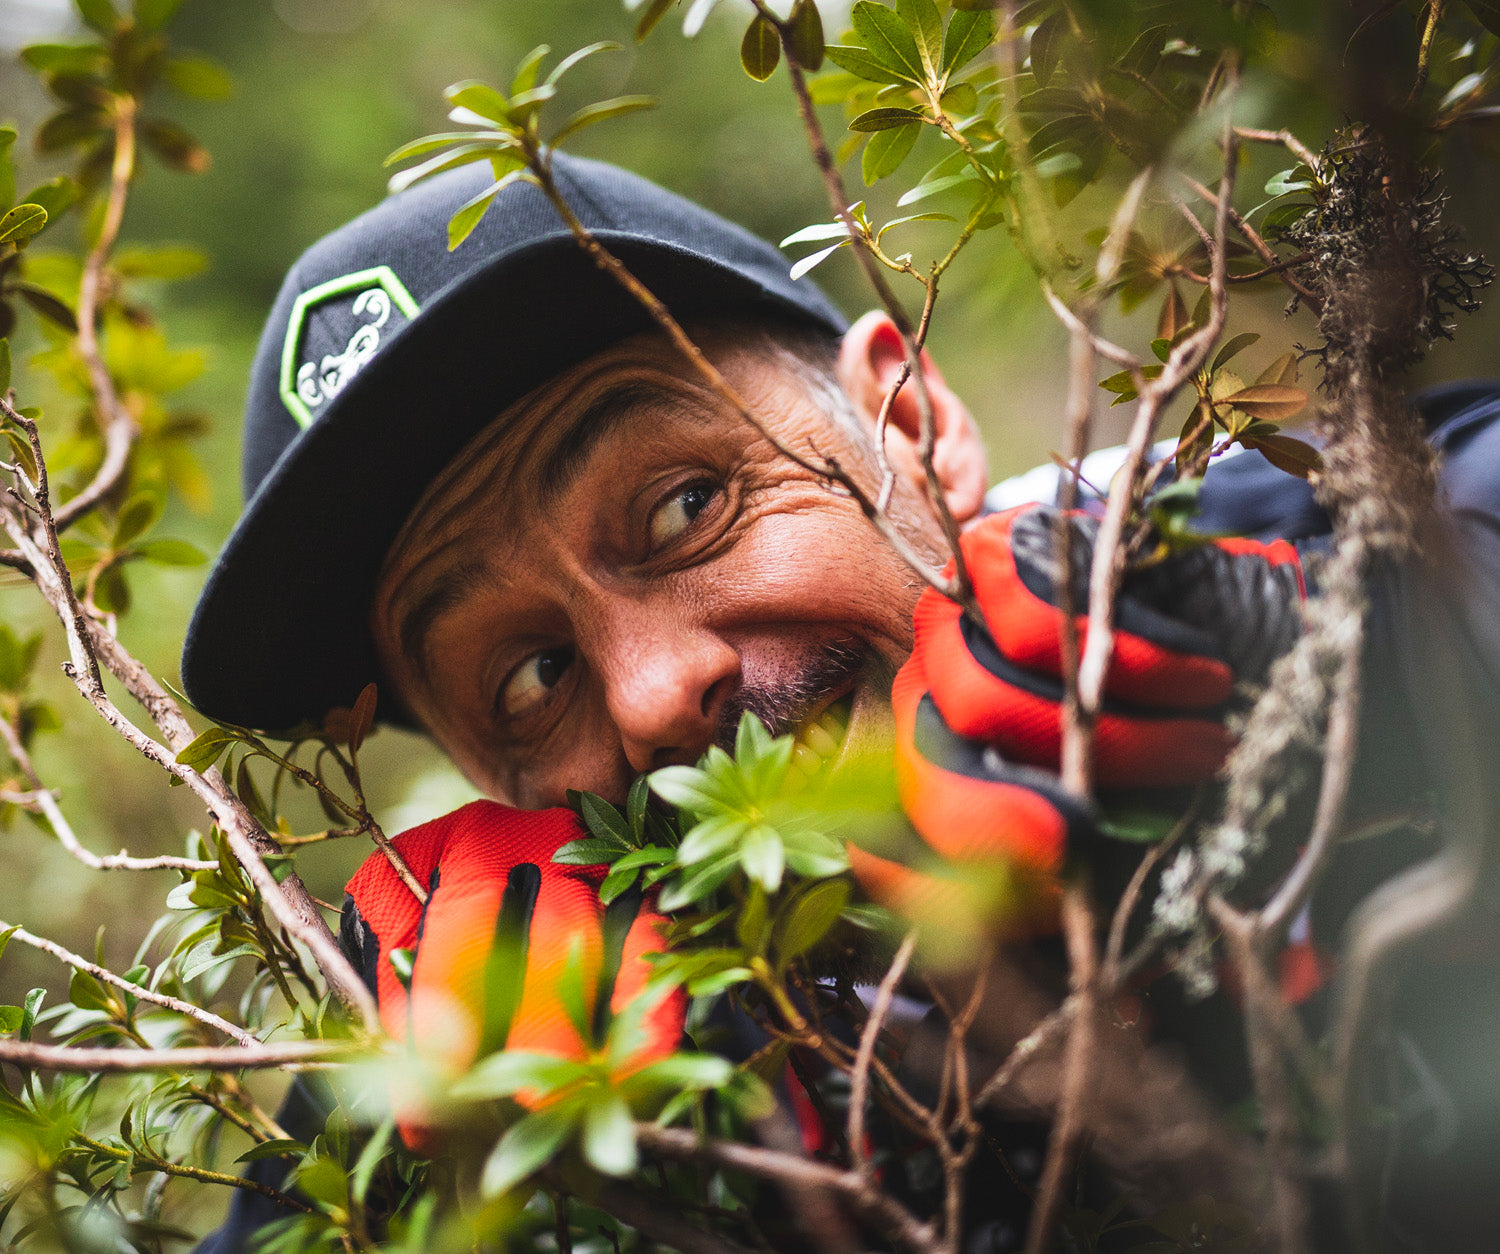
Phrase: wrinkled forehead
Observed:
(528, 456)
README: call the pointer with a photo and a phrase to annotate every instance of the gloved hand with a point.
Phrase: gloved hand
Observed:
(499, 927)
(978, 708)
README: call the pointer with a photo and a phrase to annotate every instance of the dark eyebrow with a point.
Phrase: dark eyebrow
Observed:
(449, 590)
(601, 416)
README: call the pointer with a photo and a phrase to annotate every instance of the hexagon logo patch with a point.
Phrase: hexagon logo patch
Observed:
(334, 331)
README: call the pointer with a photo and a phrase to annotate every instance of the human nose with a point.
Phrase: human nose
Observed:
(665, 687)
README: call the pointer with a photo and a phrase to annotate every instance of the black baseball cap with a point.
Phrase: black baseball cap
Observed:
(385, 353)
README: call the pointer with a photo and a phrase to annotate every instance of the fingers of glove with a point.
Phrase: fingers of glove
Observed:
(1157, 660)
(965, 800)
(983, 695)
(502, 925)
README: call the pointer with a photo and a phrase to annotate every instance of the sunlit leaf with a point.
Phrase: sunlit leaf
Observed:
(602, 111)
(760, 49)
(888, 40)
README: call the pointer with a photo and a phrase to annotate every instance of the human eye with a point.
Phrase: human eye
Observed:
(675, 515)
(527, 686)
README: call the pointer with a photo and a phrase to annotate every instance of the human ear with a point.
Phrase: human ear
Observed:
(871, 358)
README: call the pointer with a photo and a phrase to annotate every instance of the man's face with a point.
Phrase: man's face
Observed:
(606, 579)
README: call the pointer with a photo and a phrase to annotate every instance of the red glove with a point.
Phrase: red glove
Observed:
(979, 708)
(501, 922)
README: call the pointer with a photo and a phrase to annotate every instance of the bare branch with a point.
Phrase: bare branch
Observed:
(141, 1162)
(289, 1057)
(1068, 1129)
(206, 1017)
(118, 423)
(288, 900)
(43, 799)
(859, 1080)
(868, 1200)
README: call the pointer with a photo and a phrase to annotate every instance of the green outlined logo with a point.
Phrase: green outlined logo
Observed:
(334, 330)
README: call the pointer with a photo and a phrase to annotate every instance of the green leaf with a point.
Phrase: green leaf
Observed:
(81, 60)
(168, 552)
(464, 154)
(818, 231)
(531, 64)
(886, 151)
(200, 78)
(85, 992)
(704, 880)
(1045, 48)
(689, 1071)
(30, 1006)
(859, 62)
(508, 1072)
(609, 1134)
(616, 107)
(970, 32)
(137, 517)
(809, 918)
(603, 820)
(577, 58)
(804, 35)
(6, 935)
(325, 1181)
(55, 196)
(925, 23)
(885, 119)
(961, 98)
(912, 217)
(760, 49)
(527, 1146)
(1233, 349)
(635, 807)
(479, 98)
(21, 223)
(935, 187)
(272, 1149)
(587, 853)
(100, 14)
(888, 40)
(461, 225)
(10, 1019)
(154, 14)
(617, 881)
(763, 856)
(402, 961)
(711, 837)
(441, 139)
(205, 749)
(686, 787)
(814, 259)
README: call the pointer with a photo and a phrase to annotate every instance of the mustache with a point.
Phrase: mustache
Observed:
(781, 705)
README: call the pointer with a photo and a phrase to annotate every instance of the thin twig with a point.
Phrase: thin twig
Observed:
(140, 1162)
(859, 1080)
(116, 420)
(869, 1200)
(43, 799)
(206, 1017)
(289, 900)
(1070, 1125)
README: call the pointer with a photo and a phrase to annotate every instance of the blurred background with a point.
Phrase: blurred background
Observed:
(323, 90)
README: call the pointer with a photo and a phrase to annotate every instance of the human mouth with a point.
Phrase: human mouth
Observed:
(818, 740)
